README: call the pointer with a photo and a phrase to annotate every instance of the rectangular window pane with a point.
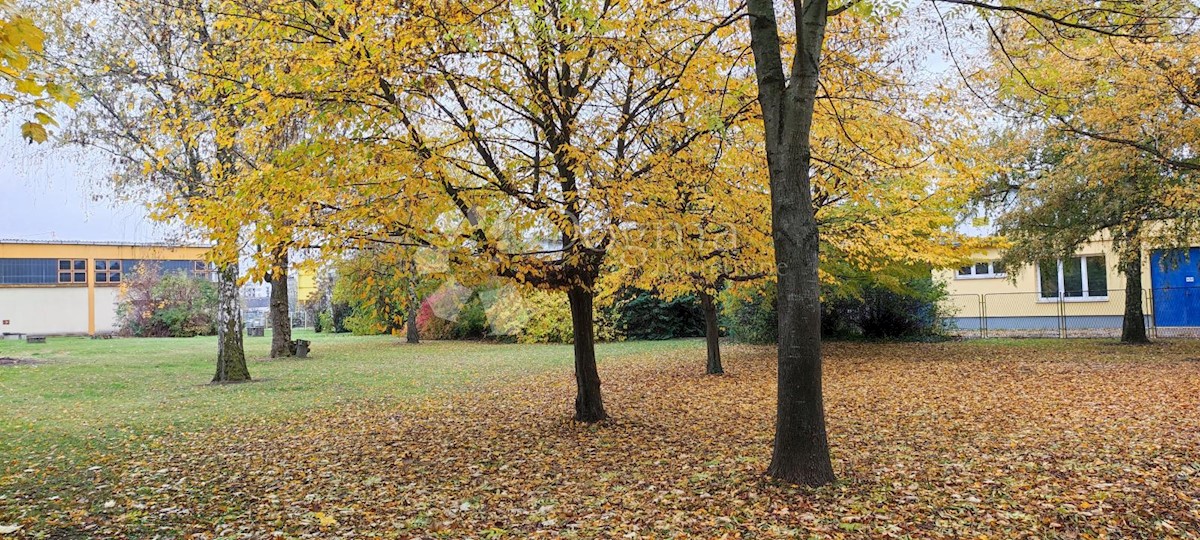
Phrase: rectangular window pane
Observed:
(1048, 277)
(997, 267)
(101, 277)
(64, 265)
(81, 265)
(981, 268)
(100, 265)
(1097, 276)
(114, 265)
(64, 277)
(964, 271)
(80, 277)
(1073, 277)
(114, 277)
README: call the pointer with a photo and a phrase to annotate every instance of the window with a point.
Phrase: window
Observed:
(985, 269)
(28, 271)
(108, 271)
(1077, 277)
(72, 270)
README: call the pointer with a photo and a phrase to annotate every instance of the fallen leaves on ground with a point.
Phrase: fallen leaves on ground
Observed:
(929, 441)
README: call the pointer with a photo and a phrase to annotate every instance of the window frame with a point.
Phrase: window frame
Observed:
(108, 271)
(74, 269)
(1083, 276)
(992, 273)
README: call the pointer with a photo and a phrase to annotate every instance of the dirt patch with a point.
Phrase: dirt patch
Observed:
(6, 361)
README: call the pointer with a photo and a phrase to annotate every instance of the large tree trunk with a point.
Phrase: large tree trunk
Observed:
(231, 357)
(712, 333)
(1133, 328)
(412, 333)
(282, 345)
(801, 453)
(588, 405)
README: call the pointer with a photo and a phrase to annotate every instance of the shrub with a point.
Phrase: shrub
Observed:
(879, 312)
(176, 304)
(750, 315)
(642, 315)
(323, 322)
(907, 310)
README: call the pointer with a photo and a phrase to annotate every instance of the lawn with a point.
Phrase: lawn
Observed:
(85, 393)
(1039, 439)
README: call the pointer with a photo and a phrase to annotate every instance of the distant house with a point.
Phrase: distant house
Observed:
(71, 288)
(1082, 291)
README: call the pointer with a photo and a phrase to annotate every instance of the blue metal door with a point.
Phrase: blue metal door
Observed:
(1175, 278)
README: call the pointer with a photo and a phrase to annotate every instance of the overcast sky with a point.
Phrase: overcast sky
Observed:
(54, 193)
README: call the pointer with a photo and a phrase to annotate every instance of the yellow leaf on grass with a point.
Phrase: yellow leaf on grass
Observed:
(324, 520)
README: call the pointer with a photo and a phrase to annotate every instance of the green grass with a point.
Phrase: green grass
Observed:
(87, 394)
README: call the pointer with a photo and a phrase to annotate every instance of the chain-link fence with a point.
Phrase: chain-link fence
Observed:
(1169, 312)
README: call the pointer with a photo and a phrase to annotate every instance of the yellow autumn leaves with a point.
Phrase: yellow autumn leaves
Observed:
(21, 83)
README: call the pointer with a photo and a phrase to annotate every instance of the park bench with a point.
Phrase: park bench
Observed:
(35, 339)
(256, 331)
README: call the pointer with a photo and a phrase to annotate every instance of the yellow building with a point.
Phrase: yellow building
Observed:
(307, 286)
(1085, 291)
(71, 288)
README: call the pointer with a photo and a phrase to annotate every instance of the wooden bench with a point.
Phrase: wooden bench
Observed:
(35, 339)
(256, 331)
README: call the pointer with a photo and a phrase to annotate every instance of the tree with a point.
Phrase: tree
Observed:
(383, 286)
(145, 109)
(1064, 190)
(892, 170)
(546, 117)
(282, 345)
(801, 453)
(1100, 143)
(788, 100)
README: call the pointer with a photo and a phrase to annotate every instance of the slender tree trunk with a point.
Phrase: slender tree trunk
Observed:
(281, 313)
(801, 453)
(1133, 328)
(412, 333)
(231, 357)
(588, 405)
(712, 333)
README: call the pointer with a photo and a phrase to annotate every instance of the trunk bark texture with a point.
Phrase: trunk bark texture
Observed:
(589, 407)
(1133, 328)
(281, 313)
(231, 357)
(801, 453)
(412, 333)
(712, 334)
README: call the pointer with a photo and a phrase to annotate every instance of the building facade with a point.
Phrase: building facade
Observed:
(1085, 291)
(72, 288)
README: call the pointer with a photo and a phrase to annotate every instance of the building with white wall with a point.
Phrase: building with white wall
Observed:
(72, 288)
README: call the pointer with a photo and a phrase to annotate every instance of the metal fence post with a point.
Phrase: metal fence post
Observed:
(1062, 317)
(983, 316)
(1150, 312)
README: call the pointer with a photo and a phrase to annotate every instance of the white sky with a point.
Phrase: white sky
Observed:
(57, 193)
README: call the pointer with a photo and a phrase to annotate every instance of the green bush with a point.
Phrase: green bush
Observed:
(879, 312)
(907, 310)
(642, 315)
(750, 316)
(323, 322)
(363, 324)
(472, 321)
